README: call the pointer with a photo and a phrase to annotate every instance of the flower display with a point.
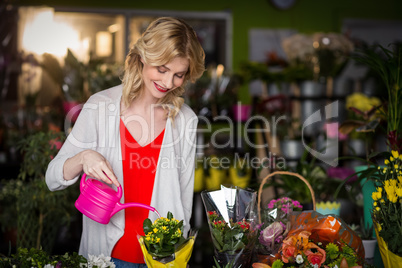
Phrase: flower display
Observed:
(387, 206)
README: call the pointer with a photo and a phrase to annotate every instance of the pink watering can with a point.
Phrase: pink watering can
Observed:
(100, 202)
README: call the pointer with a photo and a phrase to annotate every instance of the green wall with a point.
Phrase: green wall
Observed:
(305, 16)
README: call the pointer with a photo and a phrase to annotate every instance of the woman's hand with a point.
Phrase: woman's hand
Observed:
(95, 165)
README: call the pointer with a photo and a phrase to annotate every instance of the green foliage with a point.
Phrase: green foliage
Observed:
(387, 64)
(28, 258)
(228, 237)
(164, 236)
(38, 149)
(37, 212)
(228, 265)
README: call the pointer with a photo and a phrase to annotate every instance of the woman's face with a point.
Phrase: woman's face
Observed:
(159, 80)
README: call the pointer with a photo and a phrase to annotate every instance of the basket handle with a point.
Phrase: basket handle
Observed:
(282, 173)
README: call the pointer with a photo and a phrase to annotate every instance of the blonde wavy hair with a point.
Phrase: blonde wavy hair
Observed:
(165, 39)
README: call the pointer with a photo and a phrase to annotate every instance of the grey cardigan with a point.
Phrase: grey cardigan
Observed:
(97, 128)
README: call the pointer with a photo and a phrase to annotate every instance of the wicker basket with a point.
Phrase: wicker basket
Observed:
(282, 173)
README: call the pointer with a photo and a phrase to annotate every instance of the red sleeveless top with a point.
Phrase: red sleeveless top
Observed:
(139, 168)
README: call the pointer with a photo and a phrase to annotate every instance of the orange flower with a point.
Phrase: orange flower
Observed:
(293, 245)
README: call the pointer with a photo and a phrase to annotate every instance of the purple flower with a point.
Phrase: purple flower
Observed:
(341, 173)
(271, 234)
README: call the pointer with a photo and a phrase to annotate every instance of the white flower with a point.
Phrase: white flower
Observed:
(299, 259)
(48, 266)
(336, 266)
(100, 261)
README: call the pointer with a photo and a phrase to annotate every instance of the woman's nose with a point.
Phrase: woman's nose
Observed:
(168, 81)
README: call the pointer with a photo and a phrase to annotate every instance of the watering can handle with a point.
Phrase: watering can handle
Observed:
(82, 183)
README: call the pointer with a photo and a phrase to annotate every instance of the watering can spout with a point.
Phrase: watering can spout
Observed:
(120, 206)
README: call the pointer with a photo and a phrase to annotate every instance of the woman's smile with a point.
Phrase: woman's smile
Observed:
(160, 88)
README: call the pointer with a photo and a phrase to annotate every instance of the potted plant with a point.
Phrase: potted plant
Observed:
(39, 212)
(164, 244)
(367, 234)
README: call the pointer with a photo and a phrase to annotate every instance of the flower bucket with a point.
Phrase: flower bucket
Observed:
(389, 259)
(238, 179)
(326, 208)
(198, 179)
(241, 112)
(369, 248)
(215, 179)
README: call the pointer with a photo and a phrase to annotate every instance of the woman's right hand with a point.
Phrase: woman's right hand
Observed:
(95, 165)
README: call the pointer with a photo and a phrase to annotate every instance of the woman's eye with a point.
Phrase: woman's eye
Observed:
(160, 70)
(180, 75)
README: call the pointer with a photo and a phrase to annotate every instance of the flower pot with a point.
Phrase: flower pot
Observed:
(198, 179)
(357, 147)
(342, 87)
(312, 89)
(238, 179)
(389, 259)
(216, 178)
(292, 149)
(326, 208)
(241, 112)
(369, 248)
(275, 89)
(309, 107)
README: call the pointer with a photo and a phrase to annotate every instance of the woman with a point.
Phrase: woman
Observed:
(139, 135)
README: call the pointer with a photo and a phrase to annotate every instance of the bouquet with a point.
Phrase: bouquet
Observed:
(231, 214)
(316, 240)
(275, 225)
(164, 244)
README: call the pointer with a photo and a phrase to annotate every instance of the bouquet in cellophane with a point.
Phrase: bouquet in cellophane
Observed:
(164, 244)
(231, 214)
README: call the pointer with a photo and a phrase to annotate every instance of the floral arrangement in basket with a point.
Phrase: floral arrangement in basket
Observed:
(317, 241)
(299, 250)
(164, 242)
(275, 224)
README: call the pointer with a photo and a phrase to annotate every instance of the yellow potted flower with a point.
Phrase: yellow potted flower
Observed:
(387, 209)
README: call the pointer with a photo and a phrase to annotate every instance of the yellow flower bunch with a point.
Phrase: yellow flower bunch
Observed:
(362, 102)
(387, 205)
(163, 235)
